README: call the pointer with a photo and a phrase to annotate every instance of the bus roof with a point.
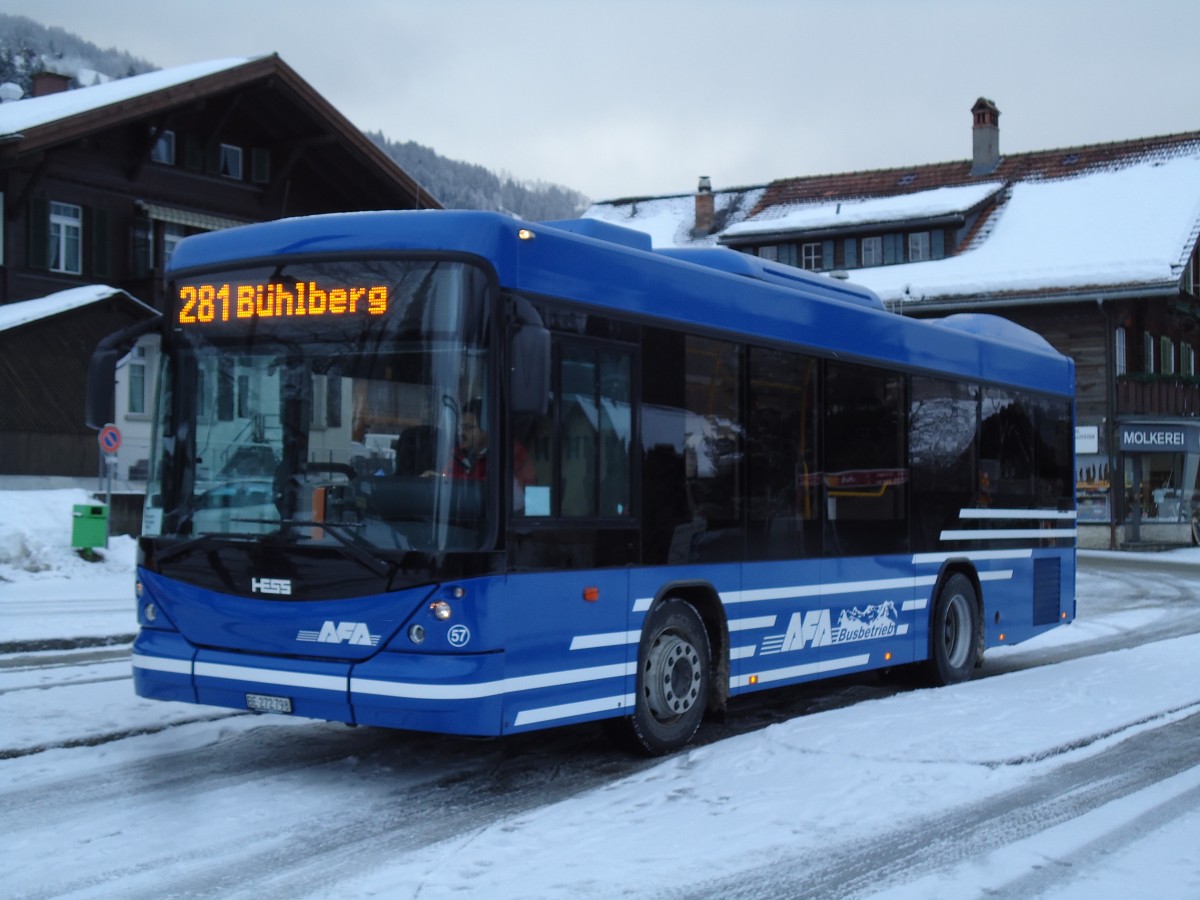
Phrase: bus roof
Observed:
(716, 290)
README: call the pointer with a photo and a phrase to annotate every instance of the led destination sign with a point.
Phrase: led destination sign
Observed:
(201, 304)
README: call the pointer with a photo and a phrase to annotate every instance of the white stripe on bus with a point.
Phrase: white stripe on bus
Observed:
(1006, 534)
(570, 710)
(162, 664)
(415, 691)
(816, 668)
(976, 513)
(272, 676)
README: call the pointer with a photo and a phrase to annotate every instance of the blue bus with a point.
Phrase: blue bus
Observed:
(454, 472)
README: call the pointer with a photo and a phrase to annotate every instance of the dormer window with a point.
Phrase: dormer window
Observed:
(872, 251)
(810, 256)
(918, 246)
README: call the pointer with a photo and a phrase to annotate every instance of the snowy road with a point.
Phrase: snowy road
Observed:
(1073, 769)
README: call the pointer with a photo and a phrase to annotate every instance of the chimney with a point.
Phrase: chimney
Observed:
(704, 207)
(985, 133)
(49, 83)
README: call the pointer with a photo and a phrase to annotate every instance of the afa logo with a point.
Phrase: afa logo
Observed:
(341, 632)
(815, 629)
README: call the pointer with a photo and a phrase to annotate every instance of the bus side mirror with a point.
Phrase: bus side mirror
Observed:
(100, 401)
(530, 392)
(102, 374)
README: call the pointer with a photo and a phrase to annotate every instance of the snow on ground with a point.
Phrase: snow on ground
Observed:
(46, 590)
(788, 792)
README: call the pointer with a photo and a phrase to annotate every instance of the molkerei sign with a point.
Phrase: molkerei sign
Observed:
(1152, 438)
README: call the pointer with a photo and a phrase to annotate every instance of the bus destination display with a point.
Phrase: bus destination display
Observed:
(201, 304)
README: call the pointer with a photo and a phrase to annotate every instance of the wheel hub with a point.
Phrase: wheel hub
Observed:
(673, 674)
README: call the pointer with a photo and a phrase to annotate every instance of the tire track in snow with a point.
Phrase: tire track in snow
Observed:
(939, 843)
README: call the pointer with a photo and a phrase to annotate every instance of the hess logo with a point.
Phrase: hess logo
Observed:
(277, 586)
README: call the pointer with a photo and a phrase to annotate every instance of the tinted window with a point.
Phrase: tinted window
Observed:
(1007, 453)
(866, 476)
(942, 425)
(575, 461)
(784, 477)
(692, 445)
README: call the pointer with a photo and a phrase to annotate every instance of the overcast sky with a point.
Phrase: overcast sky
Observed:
(618, 98)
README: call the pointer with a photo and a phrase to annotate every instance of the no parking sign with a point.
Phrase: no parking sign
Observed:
(110, 438)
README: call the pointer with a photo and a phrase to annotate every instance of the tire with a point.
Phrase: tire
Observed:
(674, 668)
(954, 632)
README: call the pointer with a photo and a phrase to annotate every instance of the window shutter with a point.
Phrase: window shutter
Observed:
(827, 255)
(193, 154)
(260, 165)
(39, 233)
(140, 247)
(937, 243)
(891, 243)
(851, 253)
(101, 242)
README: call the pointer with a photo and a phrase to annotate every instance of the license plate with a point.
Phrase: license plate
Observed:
(267, 703)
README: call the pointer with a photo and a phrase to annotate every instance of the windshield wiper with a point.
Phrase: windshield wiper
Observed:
(169, 553)
(356, 547)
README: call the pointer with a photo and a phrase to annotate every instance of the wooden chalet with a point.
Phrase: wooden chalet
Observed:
(98, 185)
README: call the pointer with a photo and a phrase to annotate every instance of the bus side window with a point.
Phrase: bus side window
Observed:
(866, 472)
(576, 460)
(783, 474)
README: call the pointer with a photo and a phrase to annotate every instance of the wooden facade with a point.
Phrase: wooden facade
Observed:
(99, 194)
(43, 367)
(249, 142)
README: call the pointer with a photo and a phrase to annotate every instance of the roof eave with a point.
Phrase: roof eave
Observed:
(944, 221)
(1001, 301)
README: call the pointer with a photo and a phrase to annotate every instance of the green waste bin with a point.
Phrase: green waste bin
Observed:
(89, 525)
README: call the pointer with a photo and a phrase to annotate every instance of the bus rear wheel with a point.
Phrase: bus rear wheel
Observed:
(674, 663)
(954, 632)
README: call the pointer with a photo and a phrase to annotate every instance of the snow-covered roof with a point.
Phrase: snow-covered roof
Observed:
(33, 112)
(1130, 227)
(25, 311)
(1105, 218)
(930, 204)
(669, 220)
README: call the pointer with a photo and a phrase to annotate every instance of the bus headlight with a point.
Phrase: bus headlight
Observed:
(150, 611)
(416, 634)
(441, 610)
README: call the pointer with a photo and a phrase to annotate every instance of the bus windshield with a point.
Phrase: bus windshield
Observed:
(322, 403)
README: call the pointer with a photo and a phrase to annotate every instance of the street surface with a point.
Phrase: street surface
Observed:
(107, 794)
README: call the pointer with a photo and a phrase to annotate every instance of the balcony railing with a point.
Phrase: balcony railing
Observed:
(1163, 396)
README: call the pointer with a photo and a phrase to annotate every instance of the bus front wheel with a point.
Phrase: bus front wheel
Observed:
(672, 682)
(954, 632)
